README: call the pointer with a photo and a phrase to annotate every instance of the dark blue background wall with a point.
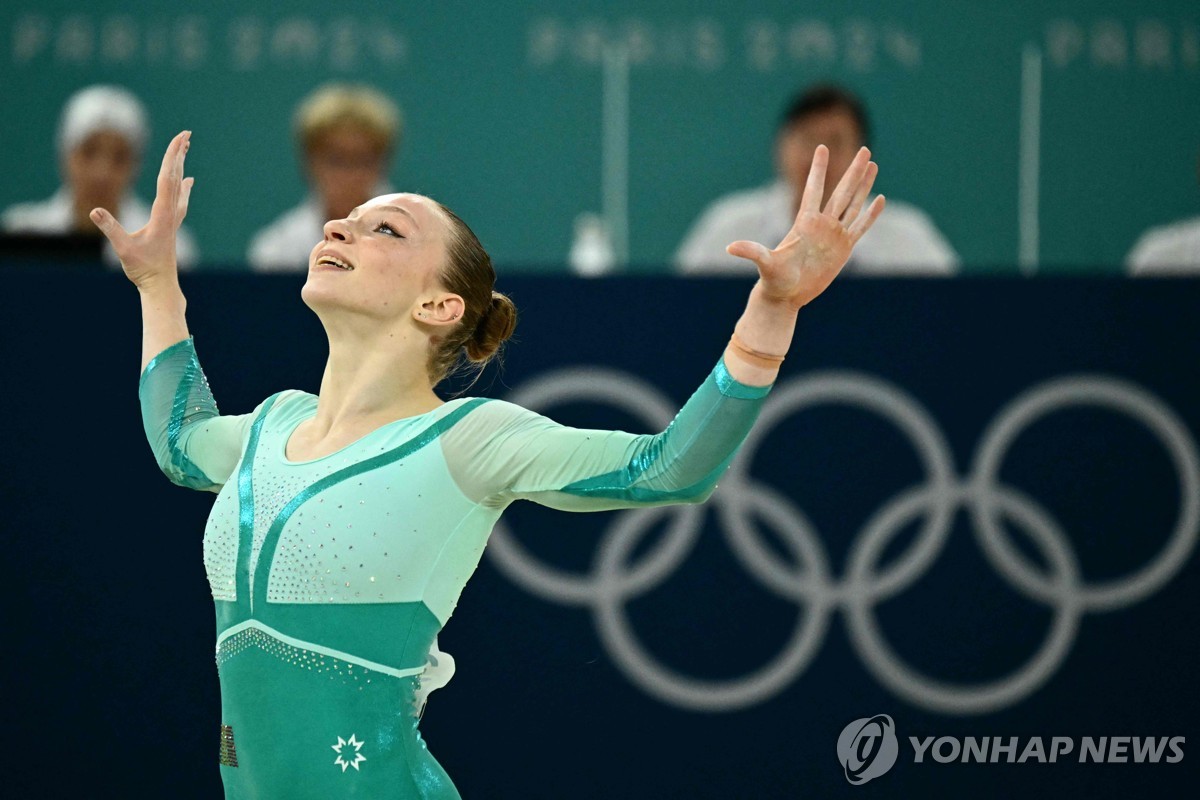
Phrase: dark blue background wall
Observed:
(110, 669)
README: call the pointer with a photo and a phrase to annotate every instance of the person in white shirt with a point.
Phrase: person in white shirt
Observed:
(102, 134)
(903, 241)
(1168, 249)
(346, 135)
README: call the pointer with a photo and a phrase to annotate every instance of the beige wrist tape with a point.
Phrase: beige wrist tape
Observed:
(755, 357)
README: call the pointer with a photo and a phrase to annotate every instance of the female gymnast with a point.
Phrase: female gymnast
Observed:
(346, 524)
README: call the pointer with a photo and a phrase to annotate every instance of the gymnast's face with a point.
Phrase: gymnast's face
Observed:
(382, 261)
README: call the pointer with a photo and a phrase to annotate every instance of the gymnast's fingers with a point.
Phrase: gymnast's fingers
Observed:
(170, 174)
(867, 218)
(810, 201)
(112, 229)
(860, 196)
(752, 251)
(185, 192)
(844, 191)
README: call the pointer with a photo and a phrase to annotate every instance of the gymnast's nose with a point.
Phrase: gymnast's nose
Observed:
(337, 230)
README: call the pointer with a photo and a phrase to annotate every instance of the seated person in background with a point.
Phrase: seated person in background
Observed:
(1169, 249)
(101, 135)
(346, 135)
(903, 241)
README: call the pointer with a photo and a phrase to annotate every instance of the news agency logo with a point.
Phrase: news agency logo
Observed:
(868, 748)
(1048, 750)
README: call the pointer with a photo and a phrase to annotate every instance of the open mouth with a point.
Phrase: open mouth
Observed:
(334, 262)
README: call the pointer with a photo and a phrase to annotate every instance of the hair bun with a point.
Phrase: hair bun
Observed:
(488, 317)
(495, 326)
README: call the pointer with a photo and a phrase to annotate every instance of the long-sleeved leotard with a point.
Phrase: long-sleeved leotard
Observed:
(332, 577)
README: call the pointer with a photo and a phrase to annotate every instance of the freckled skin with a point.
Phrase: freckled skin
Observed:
(391, 270)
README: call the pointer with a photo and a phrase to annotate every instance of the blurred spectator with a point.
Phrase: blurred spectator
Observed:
(102, 134)
(903, 241)
(1169, 249)
(346, 134)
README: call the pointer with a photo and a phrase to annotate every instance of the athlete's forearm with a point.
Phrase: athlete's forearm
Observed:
(766, 326)
(163, 322)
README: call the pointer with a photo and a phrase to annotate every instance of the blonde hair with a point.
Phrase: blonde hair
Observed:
(357, 105)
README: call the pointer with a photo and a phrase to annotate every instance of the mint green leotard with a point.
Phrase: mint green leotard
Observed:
(332, 577)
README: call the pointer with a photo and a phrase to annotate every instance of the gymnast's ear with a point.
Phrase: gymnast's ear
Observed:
(444, 308)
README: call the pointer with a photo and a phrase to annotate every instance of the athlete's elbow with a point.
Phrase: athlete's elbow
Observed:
(174, 474)
(185, 475)
(176, 477)
(701, 496)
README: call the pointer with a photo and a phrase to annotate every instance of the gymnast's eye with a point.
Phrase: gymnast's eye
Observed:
(389, 230)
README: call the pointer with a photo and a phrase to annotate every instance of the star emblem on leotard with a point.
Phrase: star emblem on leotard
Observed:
(358, 757)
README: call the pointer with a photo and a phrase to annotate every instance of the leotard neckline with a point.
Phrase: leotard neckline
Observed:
(291, 428)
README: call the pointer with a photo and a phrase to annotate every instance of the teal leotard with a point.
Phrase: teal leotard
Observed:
(332, 577)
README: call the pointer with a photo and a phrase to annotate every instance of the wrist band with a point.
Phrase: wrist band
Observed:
(755, 357)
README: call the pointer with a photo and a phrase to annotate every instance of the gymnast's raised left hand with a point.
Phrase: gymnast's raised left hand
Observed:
(819, 243)
(148, 254)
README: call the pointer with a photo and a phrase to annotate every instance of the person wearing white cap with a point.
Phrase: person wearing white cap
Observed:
(101, 136)
(347, 134)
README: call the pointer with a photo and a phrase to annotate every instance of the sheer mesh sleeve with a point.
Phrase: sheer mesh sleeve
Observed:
(194, 445)
(502, 452)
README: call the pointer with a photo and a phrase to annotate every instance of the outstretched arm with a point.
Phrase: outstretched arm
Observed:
(194, 446)
(501, 452)
(510, 453)
(148, 255)
(801, 266)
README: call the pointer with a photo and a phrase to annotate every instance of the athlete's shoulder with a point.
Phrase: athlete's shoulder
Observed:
(286, 402)
(486, 408)
(490, 415)
(292, 396)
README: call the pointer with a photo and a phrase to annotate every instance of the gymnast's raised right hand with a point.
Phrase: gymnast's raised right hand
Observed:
(148, 255)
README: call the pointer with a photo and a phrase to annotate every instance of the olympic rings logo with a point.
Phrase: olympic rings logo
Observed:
(613, 581)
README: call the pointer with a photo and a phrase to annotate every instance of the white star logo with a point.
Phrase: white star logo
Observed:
(358, 757)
